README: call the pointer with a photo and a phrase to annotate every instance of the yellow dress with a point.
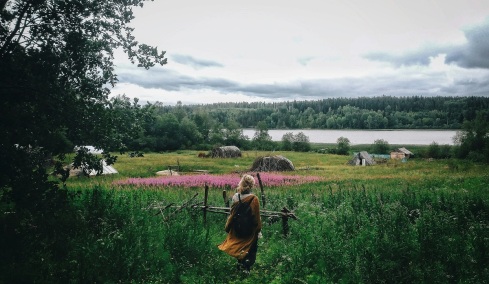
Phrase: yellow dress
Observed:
(238, 247)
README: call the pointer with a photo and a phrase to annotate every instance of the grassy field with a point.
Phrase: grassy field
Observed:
(332, 168)
(415, 222)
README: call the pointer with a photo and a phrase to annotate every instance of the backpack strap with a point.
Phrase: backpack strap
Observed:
(239, 198)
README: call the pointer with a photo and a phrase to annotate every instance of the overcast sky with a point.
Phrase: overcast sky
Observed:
(268, 50)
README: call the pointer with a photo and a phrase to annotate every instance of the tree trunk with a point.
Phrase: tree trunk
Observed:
(6, 45)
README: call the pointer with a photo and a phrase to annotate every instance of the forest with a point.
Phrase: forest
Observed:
(382, 112)
(158, 127)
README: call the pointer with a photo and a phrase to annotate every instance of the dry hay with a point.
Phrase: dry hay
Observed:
(226, 152)
(276, 163)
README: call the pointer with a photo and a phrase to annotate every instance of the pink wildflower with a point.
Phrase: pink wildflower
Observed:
(219, 181)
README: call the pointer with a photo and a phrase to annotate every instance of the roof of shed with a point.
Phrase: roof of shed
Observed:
(405, 151)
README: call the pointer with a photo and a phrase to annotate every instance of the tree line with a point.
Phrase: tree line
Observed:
(383, 112)
(156, 128)
(165, 128)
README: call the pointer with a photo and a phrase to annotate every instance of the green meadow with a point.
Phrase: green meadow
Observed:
(416, 222)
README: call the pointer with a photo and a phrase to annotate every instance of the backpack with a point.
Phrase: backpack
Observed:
(243, 221)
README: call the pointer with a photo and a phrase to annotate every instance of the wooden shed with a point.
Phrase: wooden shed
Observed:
(401, 153)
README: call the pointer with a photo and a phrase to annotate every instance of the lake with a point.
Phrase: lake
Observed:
(395, 137)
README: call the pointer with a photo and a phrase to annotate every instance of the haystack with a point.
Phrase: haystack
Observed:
(362, 159)
(226, 152)
(271, 164)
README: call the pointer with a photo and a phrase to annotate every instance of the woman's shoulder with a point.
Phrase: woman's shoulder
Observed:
(243, 197)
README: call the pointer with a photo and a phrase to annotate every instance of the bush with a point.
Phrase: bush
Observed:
(380, 146)
(343, 146)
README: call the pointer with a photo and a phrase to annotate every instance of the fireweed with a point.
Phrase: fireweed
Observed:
(219, 181)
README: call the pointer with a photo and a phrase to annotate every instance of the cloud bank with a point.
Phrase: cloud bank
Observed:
(472, 54)
(310, 67)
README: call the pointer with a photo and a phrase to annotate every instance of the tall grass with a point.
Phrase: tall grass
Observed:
(415, 222)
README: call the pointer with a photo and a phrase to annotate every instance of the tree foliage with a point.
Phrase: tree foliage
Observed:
(56, 61)
(343, 145)
(380, 146)
(473, 140)
(262, 140)
(221, 124)
(382, 112)
(298, 142)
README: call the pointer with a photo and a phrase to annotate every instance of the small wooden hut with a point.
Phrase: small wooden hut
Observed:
(272, 164)
(362, 159)
(401, 153)
(226, 152)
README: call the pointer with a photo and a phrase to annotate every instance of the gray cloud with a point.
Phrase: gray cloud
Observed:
(473, 54)
(394, 85)
(194, 62)
(416, 57)
(469, 87)
(170, 80)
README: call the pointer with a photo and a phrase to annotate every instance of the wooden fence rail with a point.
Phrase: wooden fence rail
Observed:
(273, 216)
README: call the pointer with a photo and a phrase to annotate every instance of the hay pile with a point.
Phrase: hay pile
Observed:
(226, 152)
(272, 164)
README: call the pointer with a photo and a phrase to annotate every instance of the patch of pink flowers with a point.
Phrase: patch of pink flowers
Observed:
(219, 181)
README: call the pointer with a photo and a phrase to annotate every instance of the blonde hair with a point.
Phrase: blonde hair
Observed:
(246, 183)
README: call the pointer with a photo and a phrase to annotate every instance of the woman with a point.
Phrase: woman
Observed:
(243, 248)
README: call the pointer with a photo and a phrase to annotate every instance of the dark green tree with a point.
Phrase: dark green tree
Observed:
(262, 140)
(287, 141)
(204, 123)
(433, 151)
(301, 143)
(343, 146)
(380, 146)
(233, 135)
(473, 140)
(167, 133)
(189, 133)
(56, 61)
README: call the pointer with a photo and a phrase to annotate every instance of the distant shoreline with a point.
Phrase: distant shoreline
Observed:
(359, 136)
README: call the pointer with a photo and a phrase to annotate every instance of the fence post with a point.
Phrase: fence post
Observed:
(285, 221)
(263, 199)
(206, 194)
(225, 197)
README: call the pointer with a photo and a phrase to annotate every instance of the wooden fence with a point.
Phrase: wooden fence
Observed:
(273, 216)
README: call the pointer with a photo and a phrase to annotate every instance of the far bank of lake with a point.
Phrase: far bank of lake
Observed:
(395, 137)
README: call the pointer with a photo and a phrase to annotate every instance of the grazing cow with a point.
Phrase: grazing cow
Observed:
(202, 155)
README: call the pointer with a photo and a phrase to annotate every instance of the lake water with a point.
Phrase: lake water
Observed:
(397, 137)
